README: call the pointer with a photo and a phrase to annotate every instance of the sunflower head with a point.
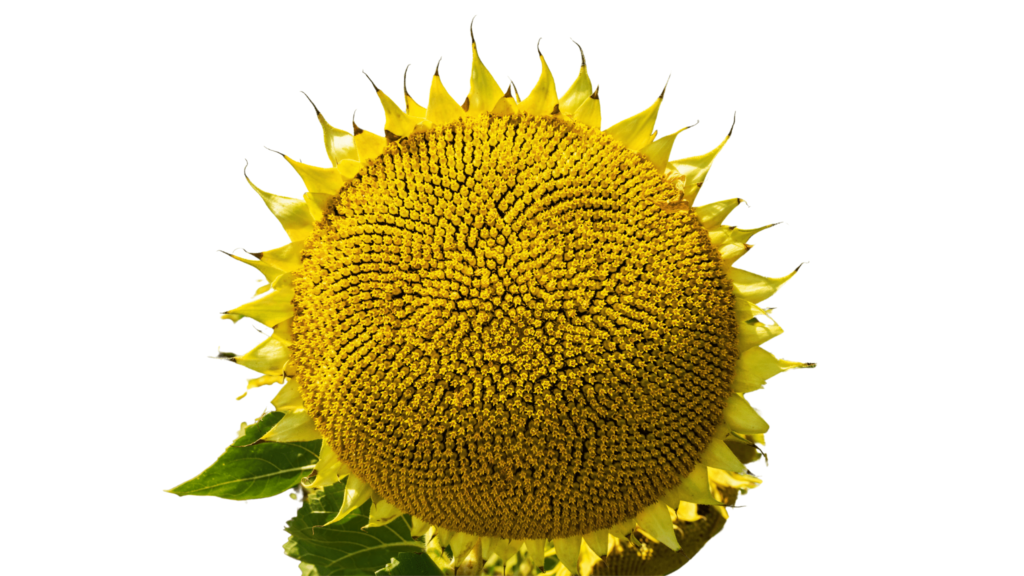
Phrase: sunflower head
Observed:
(516, 327)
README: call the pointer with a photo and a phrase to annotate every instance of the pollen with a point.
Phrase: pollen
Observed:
(500, 328)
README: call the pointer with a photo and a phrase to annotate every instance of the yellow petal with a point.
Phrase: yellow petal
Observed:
(292, 213)
(382, 512)
(283, 332)
(484, 92)
(461, 544)
(730, 253)
(741, 417)
(757, 365)
(635, 132)
(287, 258)
(419, 527)
(289, 399)
(745, 310)
(568, 550)
(507, 105)
(269, 357)
(487, 545)
(622, 529)
(712, 215)
(294, 427)
(318, 204)
(535, 548)
(578, 93)
(753, 333)
(356, 493)
(658, 151)
(687, 512)
(696, 168)
(269, 272)
(656, 521)
(733, 479)
(694, 488)
(284, 281)
(589, 113)
(262, 381)
(502, 547)
(414, 110)
(329, 469)
(339, 143)
(397, 124)
(598, 541)
(722, 235)
(269, 310)
(755, 288)
(442, 108)
(543, 98)
(444, 536)
(325, 180)
(368, 144)
(718, 455)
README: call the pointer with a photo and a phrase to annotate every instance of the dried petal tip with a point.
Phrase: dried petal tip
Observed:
(583, 59)
(317, 110)
(375, 89)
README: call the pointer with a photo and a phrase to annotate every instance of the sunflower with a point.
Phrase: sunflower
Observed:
(516, 328)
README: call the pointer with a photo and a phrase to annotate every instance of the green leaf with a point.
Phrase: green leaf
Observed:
(414, 564)
(247, 470)
(345, 548)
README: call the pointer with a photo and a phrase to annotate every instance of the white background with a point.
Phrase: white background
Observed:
(885, 135)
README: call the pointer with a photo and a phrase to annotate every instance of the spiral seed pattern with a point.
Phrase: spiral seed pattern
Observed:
(499, 329)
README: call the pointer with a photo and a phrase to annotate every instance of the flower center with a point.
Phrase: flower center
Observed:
(500, 330)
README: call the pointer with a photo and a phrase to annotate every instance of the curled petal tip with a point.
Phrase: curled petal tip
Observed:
(405, 77)
(733, 125)
(662, 95)
(596, 90)
(437, 69)
(583, 59)
(471, 37)
(538, 47)
(355, 127)
(375, 89)
(274, 151)
(508, 91)
(311, 102)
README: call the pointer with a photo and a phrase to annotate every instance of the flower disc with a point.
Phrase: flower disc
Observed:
(502, 332)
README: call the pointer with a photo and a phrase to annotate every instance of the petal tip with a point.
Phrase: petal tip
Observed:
(375, 89)
(583, 59)
(315, 109)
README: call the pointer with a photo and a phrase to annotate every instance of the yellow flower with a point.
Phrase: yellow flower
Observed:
(514, 326)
